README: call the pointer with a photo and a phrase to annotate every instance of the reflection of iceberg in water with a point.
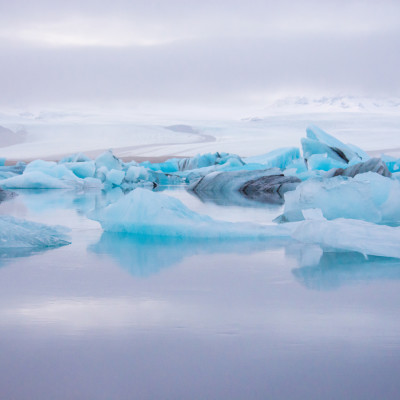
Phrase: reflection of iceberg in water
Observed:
(42, 200)
(145, 255)
(234, 199)
(22, 238)
(8, 255)
(337, 269)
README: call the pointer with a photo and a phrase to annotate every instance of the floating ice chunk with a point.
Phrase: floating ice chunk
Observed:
(52, 169)
(13, 169)
(168, 166)
(279, 158)
(312, 147)
(372, 165)
(392, 163)
(115, 177)
(324, 163)
(269, 189)
(263, 185)
(2, 161)
(161, 178)
(360, 152)
(317, 135)
(296, 167)
(108, 160)
(75, 158)
(351, 235)
(35, 180)
(209, 159)
(41, 174)
(6, 175)
(194, 163)
(19, 233)
(145, 212)
(135, 174)
(370, 197)
(101, 173)
(313, 213)
(92, 183)
(82, 169)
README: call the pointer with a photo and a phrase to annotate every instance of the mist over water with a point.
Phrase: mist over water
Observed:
(126, 316)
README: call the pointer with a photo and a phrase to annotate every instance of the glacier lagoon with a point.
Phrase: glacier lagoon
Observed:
(177, 316)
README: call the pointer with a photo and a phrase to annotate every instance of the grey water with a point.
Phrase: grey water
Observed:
(116, 316)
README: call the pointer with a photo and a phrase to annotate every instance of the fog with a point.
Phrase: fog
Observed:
(213, 53)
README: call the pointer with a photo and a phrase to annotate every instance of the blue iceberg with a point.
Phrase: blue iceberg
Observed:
(17, 233)
(279, 158)
(369, 196)
(144, 212)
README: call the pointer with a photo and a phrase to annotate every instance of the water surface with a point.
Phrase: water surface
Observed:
(113, 316)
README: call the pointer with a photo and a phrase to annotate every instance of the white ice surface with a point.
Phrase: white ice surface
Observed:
(247, 137)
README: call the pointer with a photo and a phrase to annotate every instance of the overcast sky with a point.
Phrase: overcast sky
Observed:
(195, 52)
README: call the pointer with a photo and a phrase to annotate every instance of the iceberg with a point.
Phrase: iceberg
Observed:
(146, 213)
(322, 162)
(350, 235)
(270, 188)
(41, 174)
(279, 158)
(368, 196)
(34, 180)
(82, 169)
(267, 185)
(115, 177)
(199, 161)
(143, 212)
(320, 142)
(207, 160)
(134, 174)
(75, 158)
(109, 161)
(372, 165)
(16, 169)
(18, 233)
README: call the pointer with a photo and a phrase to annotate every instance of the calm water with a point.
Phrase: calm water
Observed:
(117, 317)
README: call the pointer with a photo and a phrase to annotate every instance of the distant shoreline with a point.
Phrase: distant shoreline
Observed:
(159, 159)
(139, 159)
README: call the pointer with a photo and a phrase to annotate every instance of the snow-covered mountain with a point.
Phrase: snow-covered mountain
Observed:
(303, 104)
